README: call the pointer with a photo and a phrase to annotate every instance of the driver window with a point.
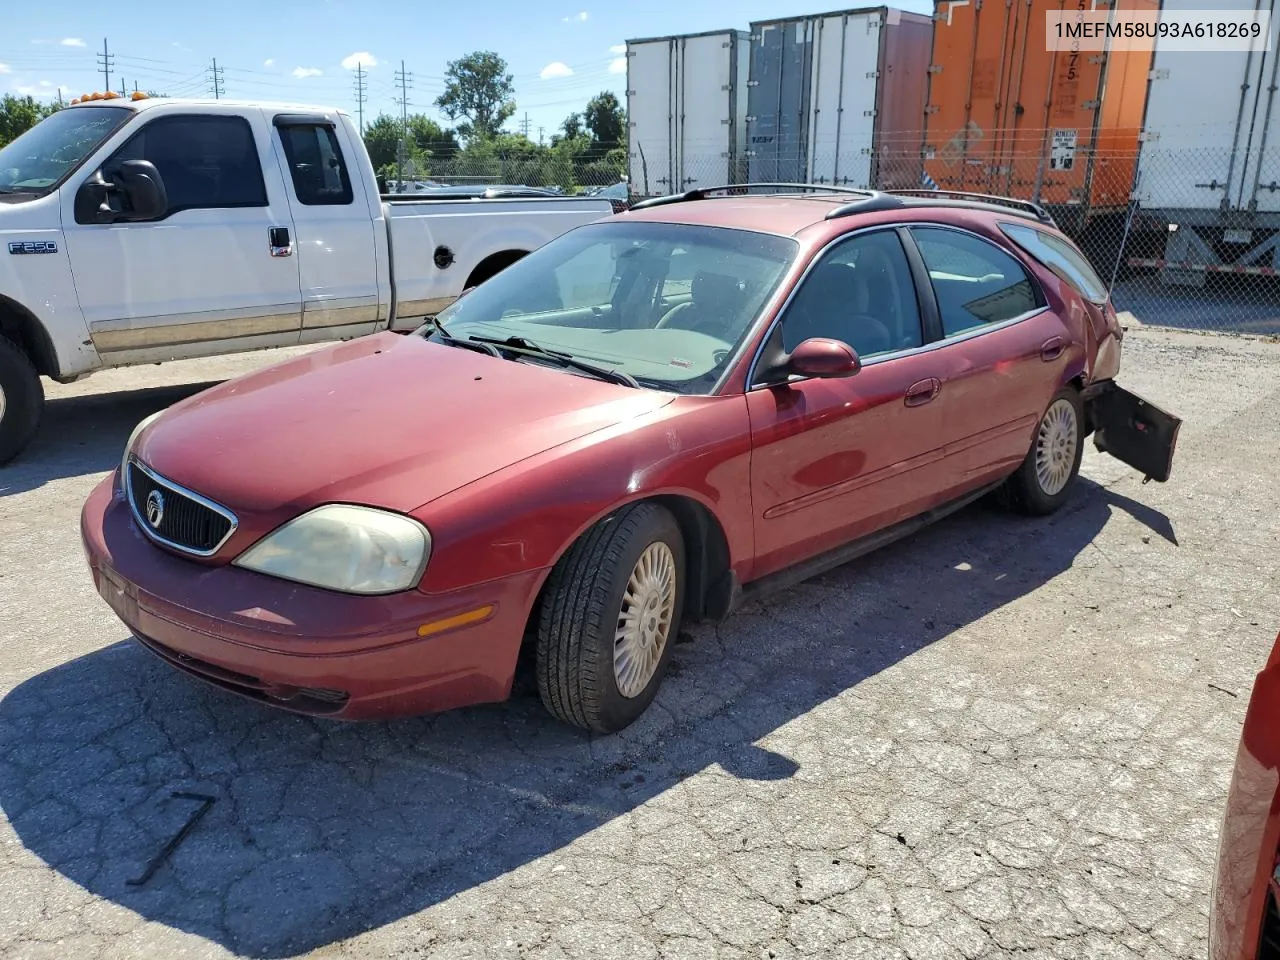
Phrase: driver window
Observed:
(861, 293)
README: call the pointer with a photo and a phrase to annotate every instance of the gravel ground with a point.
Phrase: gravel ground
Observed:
(999, 738)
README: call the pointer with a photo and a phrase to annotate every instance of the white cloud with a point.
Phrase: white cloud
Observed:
(268, 63)
(618, 49)
(576, 18)
(73, 42)
(556, 71)
(303, 72)
(356, 59)
(618, 66)
(5, 68)
(24, 90)
(181, 46)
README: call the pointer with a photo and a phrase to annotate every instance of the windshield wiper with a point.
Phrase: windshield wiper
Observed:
(527, 346)
(448, 338)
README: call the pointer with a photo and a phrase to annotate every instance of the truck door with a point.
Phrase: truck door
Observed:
(202, 277)
(334, 231)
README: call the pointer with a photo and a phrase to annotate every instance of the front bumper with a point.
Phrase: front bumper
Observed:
(301, 648)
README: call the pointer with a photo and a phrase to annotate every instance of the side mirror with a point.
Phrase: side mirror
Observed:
(144, 190)
(134, 192)
(823, 358)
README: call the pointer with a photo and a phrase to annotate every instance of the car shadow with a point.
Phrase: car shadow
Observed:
(86, 434)
(321, 831)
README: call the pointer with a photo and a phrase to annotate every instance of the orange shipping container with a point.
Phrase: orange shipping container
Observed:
(1010, 117)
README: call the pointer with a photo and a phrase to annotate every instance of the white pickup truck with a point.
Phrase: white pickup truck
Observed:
(143, 230)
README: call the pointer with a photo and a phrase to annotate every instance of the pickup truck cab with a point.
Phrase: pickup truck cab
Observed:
(144, 230)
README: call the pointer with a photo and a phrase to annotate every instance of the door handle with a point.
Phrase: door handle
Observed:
(922, 392)
(279, 241)
(1052, 349)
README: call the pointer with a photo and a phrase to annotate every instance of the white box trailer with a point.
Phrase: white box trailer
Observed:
(839, 98)
(1209, 164)
(686, 111)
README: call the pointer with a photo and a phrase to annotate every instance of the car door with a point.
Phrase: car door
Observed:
(836, 459)
(1002, 354)
(201, 277)
(334, 238)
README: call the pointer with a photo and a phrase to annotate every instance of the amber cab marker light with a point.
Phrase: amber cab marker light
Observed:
(457, 620)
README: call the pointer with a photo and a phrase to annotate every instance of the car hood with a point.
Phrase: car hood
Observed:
(389, 420)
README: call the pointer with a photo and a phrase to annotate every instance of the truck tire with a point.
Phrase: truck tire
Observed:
(1044, 480)
(609, 619)
(21, 400)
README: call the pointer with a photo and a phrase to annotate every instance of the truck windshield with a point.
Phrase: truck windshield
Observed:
(667, 303)
(39, 159)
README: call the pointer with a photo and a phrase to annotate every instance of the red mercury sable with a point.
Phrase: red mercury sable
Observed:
(1245, 918)
(640, 423)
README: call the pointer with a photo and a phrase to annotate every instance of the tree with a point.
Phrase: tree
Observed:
(382, 140)
(570, 129)
(431, 139)
(606, 122)
(20, 114)
(478, 89)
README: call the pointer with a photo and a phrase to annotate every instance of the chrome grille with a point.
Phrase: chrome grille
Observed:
(175, 516)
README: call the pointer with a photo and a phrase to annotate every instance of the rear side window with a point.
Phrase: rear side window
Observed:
(976, 283)
(206, 162)
(1064, 260)
(315, 161)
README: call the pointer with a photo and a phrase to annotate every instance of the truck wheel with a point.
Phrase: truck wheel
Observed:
(1044, 481)
(609, 619)
(21, 400)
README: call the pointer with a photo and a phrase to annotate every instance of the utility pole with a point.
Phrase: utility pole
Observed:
(361, 97)
(123, 91)
(406, 81)
(540, 129)
(105, 62)
(215, 80)
(524, 126)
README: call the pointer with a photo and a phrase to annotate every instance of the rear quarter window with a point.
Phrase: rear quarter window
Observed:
(1066, 263)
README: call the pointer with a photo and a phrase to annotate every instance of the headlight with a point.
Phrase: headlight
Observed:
(344, 548)
(133, 438)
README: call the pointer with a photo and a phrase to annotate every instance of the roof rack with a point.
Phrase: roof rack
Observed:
(1021, 206)
(735, 189)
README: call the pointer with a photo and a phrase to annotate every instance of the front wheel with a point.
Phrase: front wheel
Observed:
(609, 619)
(1044, 481)
(21, 400)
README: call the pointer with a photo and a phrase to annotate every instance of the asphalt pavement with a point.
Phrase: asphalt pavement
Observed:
(1003, 737)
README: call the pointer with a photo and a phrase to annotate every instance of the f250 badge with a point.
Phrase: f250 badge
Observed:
(32, 246)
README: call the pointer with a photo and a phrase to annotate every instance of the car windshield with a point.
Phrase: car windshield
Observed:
(41, 157)
(667, 304)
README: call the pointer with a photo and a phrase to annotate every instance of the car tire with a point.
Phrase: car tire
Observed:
(625, 573)
(21, 400)
(1043, 482)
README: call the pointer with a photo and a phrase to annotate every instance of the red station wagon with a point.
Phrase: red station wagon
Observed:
(641, 423)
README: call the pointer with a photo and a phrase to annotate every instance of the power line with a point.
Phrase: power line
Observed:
(215, 80)
(361, 96)
(105, 62)
(406, 81)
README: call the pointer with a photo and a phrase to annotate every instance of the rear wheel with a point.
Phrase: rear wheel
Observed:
(609, 619)
(21, 400)
(1044, 481)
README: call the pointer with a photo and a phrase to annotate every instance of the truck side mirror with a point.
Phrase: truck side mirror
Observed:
(146, 198)
(134, 192)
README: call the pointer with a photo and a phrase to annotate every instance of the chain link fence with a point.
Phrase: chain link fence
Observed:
(1186, 233)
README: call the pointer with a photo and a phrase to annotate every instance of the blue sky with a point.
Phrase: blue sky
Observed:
(561, 53)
